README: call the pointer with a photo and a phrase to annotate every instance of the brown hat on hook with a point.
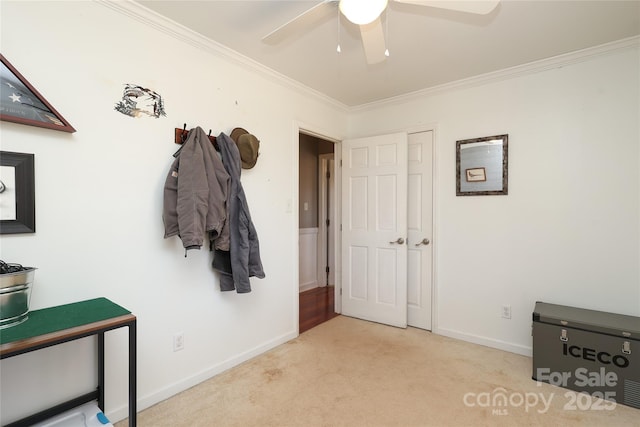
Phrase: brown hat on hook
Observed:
(248, 146)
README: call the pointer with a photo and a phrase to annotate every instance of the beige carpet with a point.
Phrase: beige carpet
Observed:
(348, 372)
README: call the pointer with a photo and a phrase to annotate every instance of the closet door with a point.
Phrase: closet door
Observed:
(420, 228)
(374, 229)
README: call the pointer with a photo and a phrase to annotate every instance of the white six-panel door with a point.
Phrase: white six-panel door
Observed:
(374, 227)
(419, 223)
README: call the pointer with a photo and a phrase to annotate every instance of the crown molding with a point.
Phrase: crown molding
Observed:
(508, 73)
(154, 20)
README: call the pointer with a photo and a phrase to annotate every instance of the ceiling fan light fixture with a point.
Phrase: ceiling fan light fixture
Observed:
(362, 12)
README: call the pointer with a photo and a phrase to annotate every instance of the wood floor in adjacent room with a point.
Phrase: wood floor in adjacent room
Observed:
(316, 307)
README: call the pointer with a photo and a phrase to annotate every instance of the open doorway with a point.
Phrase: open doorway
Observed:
(317, 199)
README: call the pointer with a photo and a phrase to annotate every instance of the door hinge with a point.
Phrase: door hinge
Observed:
(328, 222)
(326, 269)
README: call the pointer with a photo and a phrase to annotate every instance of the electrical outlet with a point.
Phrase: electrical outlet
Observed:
(178, 341)
(506, 312)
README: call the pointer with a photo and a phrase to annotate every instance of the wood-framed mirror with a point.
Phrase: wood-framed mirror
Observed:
(482, 166)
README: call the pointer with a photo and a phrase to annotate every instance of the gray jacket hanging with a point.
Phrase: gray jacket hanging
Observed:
(195, 194)
(243, 258)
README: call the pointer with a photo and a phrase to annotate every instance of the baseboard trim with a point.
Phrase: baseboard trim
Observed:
(144, 402)
(308, 286)
(485, 341)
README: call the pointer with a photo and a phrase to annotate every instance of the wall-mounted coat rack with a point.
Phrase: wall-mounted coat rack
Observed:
(180, 136)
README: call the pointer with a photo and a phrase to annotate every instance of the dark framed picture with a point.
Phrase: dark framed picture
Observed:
(22, 103)
(17, 193)
(476, 174)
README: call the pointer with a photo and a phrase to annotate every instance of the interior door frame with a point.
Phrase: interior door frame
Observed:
(291, 202)
(300, 127)
(323, 243)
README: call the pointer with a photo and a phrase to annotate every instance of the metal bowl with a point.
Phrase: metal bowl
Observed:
(15, 294)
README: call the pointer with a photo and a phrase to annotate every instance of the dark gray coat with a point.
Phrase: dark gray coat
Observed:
(243, 258)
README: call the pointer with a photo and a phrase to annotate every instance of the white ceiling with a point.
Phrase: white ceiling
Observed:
(428, 46)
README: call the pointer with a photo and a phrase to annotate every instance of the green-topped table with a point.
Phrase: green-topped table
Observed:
(56, 325)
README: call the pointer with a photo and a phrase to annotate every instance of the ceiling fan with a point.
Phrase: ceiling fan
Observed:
(366, 14)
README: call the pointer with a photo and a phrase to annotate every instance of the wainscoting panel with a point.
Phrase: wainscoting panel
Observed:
(308, 258)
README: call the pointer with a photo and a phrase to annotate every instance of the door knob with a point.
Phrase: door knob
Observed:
(399, 241)
(425, 241)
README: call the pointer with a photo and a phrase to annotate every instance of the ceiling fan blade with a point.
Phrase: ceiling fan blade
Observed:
(373, 41)
(480, 7)
(300, 22)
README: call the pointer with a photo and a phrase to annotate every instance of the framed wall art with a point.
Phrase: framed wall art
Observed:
(22, 103)
(482, 166)
(17, 193)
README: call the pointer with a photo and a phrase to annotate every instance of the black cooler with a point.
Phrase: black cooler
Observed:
(588, 351)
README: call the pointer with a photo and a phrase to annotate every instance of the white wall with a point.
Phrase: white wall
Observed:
(568, 231)
(99, 201)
